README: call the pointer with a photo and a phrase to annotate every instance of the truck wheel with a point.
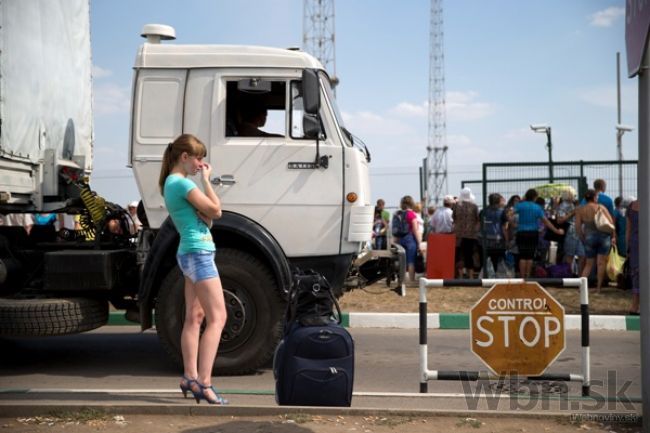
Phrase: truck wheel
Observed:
(50, 316)
(254, 306)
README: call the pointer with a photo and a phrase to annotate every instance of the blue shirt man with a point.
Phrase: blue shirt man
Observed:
(599, 186)
(529, 215)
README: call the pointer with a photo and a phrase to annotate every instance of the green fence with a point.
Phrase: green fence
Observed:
(510, 178)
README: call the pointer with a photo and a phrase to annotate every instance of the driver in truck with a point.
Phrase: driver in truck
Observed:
(192, 212)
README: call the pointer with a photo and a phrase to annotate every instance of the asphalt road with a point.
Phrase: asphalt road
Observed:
(123, 365)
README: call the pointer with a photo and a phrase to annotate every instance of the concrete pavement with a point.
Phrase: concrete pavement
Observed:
(122, 368)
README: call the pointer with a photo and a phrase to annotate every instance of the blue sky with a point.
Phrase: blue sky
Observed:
(507, 64)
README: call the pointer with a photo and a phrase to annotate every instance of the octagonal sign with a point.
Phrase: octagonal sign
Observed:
(517, 329)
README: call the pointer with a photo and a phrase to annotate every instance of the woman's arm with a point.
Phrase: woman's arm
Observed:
(551, 227)
(566, 217)
(207, 204)
(579, 224)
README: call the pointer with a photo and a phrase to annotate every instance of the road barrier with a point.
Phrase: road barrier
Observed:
(426, 374)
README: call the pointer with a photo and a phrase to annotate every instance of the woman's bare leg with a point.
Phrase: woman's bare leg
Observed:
(589, 264)
(210, 295)
(191, 330)
(601, 267)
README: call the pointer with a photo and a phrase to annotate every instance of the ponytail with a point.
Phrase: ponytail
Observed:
(166, 167)
(184, 143)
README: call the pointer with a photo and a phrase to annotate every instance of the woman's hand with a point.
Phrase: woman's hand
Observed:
(206, 170)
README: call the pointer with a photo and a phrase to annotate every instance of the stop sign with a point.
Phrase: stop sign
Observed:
(517, 329)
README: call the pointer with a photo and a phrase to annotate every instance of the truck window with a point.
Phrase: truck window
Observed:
(297, 110)
(256, 114)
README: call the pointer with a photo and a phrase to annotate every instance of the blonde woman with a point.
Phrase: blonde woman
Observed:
(192, 212)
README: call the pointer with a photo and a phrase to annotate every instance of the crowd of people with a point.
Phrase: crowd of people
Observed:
(531, 236)
(61, 221)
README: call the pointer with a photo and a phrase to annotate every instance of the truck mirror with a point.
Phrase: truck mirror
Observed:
(310, 91)
(311, 125)
(254, 85)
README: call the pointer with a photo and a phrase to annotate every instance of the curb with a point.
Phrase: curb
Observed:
(443, 321)
(19, 410)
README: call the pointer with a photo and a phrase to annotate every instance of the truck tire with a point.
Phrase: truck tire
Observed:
(35, 317)
(255, 311)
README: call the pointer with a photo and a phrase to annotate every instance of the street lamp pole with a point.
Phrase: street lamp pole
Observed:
(619, 133)
(549, 145)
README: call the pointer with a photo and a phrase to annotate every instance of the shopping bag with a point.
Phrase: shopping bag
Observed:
(602, 222)
(615, 263)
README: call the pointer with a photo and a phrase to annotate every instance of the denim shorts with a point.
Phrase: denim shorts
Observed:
(597, 243)
(572, 245)
(410, 245)
(198, 265)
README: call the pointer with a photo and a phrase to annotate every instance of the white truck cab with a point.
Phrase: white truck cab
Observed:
(269, 174)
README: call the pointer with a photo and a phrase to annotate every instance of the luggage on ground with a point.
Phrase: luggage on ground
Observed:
(314, 362)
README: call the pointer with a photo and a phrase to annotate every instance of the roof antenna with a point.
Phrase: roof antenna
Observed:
(158, 32)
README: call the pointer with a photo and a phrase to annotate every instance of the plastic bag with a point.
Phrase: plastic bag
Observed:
(615, 264)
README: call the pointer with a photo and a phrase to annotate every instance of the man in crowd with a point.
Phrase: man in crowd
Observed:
(600, 186)
(442, 220)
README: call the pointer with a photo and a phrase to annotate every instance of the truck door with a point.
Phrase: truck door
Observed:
(263, 164)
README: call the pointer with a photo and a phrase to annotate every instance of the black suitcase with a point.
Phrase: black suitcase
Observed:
(314, 366)
(314, 362)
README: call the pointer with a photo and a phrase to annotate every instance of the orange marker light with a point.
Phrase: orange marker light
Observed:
(352, 197)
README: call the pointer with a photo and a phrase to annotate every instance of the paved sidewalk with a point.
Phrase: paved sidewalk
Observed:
(443, 321)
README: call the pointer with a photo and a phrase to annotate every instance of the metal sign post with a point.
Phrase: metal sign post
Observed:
(644, 232)
(637, 28)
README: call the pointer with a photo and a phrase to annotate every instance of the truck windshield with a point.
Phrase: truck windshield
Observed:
(350, 139)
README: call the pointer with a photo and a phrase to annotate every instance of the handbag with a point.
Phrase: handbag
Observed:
(602, 222)
(311, 301)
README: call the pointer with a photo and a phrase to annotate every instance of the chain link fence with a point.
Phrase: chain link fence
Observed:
(510, 178)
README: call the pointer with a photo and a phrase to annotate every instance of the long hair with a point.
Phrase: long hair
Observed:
(406, 202)
(184, 143)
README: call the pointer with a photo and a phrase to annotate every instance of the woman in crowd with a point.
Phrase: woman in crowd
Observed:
(529, 214)
(573, 247)
(597, 243)
(632, 242)
(466, 227)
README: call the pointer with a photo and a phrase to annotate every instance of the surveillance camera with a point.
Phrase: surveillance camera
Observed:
(624, 128)
(539, 127)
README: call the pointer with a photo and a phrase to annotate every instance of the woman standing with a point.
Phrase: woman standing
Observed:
(632, 242)
(192, 212)
(466, 227)
(530, 213)
(597, 244)
(412, 239)
(572, 244)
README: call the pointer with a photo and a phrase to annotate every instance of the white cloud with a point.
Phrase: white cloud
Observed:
(461, 107)
(464, 107)
(109, 98)
(407, 109)
(99, 72)
(606, 17)
(367, 123)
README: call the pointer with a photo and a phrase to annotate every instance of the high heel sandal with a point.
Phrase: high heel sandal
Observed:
(186, 385)
(201, 395)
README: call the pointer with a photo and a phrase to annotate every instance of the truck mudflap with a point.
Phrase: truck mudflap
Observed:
(373, 265)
